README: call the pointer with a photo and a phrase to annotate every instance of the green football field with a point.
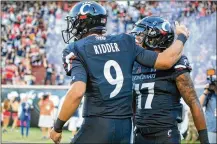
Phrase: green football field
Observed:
(35, 136)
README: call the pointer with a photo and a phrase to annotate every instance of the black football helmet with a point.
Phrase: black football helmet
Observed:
(85, 17)
(154, 32)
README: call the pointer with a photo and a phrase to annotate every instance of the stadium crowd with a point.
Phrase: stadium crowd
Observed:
(31, 30)
(24, 35)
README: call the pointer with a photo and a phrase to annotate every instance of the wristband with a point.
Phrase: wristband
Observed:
(59, 125)
(203, 136)
(182, 38)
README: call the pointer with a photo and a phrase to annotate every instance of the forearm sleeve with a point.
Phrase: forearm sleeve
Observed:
(147, 58)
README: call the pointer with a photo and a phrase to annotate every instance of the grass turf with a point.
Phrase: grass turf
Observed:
(35, 136)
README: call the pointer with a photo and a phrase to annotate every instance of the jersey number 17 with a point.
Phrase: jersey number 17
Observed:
(150, 87)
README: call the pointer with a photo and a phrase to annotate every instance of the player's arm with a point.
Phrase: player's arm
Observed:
(70, 104)
(187, 90)
(76, 91)
(170, 56)
(163, 60)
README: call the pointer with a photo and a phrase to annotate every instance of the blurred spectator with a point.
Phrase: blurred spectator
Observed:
(45, 119)
(12, 96)
(60, 79)
(200, 77)
(6, 114)
(25, 114)
(73, 123)
(15, 106)
(55, 99)
(24, 37)
(31, 31)
(29, 78)
(49, 72)
(36, 57)
(1, 111)
(208, 100)
(10, 71)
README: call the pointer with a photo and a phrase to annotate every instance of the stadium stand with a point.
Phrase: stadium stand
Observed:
(31, 35)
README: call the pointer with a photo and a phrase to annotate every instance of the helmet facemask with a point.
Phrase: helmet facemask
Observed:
(76, 28)
(71, 32)
(139, 33)
(156, 38)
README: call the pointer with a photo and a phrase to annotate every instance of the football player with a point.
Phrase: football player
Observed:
(157, 92)
(101, 69)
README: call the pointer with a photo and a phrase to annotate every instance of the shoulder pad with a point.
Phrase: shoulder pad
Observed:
(182, 64)
(68, 55)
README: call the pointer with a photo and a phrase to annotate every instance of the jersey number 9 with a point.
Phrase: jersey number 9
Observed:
(118, 81)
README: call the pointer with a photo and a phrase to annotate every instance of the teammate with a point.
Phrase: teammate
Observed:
(158, 93)
(101, 68)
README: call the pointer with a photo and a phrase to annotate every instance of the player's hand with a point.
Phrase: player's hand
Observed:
(56, 137)
(182, 29)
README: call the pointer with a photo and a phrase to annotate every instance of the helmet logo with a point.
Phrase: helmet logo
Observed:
(164, 25)
(83, 6)
(155, 22)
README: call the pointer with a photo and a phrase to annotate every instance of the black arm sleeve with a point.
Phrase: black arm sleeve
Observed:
(146, 57)
(78, 72)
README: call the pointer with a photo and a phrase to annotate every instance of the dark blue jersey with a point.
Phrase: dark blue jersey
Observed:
(105, 65)
(157, 96)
